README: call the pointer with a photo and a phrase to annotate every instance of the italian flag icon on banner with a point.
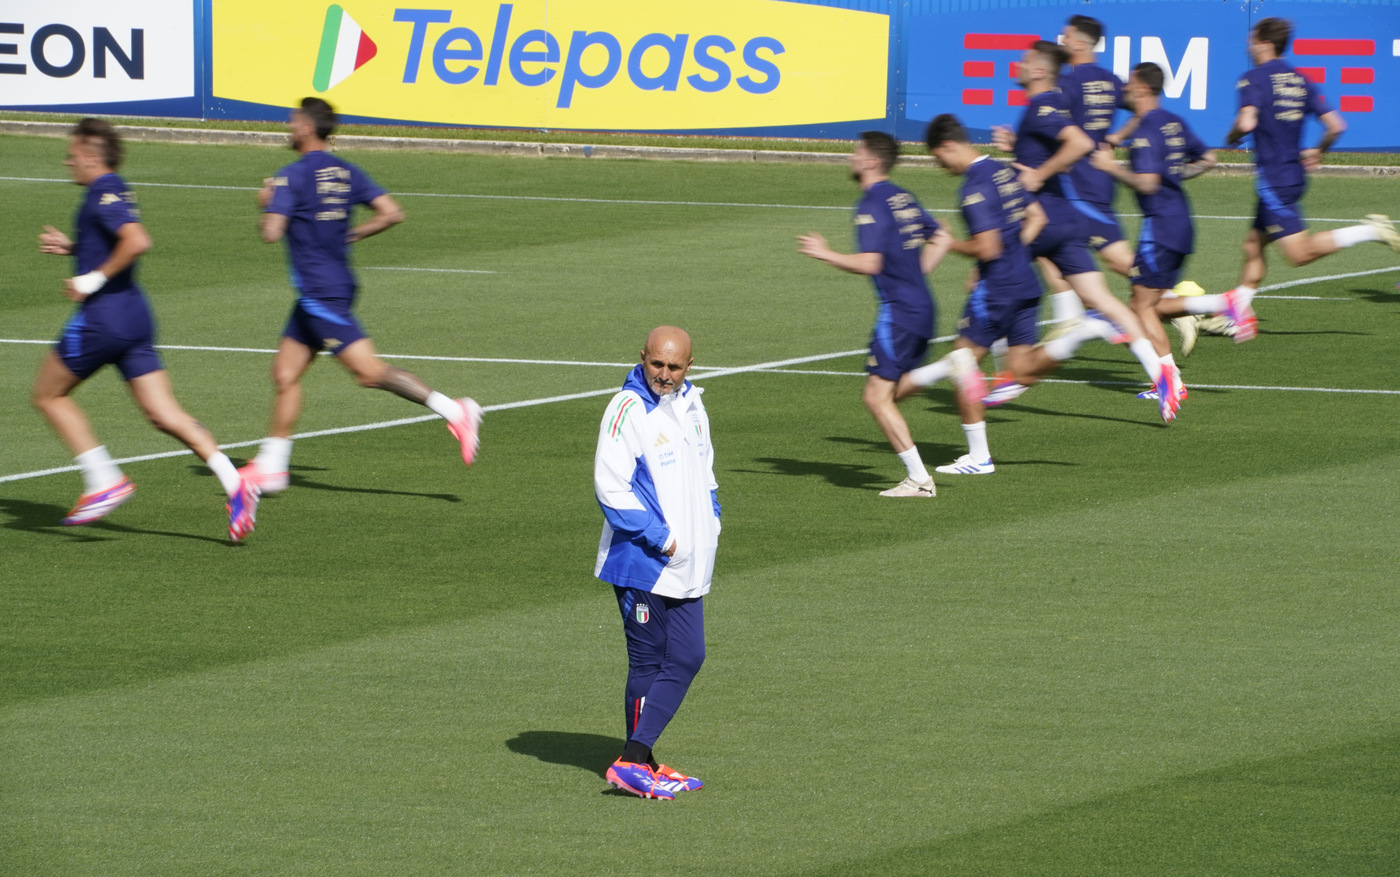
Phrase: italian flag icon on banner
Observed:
(345, 48)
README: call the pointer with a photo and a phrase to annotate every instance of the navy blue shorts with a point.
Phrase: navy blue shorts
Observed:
(985, 320)
(1066, 245)
(1157, 267)
(324, 324)
(1279, 212)
(84, 350)
(894, 352)
(1103, 224)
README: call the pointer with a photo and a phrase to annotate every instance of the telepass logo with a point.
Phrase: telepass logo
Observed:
(345, 48)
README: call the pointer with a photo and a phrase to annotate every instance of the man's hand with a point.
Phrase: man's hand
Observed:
(1030, 177)
(813, 244)
(53, 242)
(79, 288)
(1003, 138)
(265, 193)
(1311, 158)
(1103, 159)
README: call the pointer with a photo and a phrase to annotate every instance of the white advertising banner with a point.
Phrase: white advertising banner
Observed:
(56, 52)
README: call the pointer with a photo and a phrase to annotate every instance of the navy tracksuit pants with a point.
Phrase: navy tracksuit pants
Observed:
(665, 648)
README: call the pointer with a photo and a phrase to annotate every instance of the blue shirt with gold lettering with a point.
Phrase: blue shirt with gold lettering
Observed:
(891, 222)
(1284, 100)
(1095, 95)
(1161, 145)
(118, 308)
(992, 199)
(317, 194)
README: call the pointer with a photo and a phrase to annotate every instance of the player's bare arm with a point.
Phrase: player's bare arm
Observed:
(1033, 223)
(1333, 127)
(935, 248)
(132, 241)
(1074, 145)
(1199, 166)
(1003, 138)
(815, 245)
(387, 214)
(1246, 120)
(1147, 184)
(985, 246)
(53, 242)
(272, 226)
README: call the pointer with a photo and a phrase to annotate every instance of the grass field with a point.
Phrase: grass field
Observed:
(1136, 649)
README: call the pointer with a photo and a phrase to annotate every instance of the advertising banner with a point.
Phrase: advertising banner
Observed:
(964, 62)
(133, 56)
(583, 64)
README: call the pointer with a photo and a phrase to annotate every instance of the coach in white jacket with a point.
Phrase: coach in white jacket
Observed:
(654, 479)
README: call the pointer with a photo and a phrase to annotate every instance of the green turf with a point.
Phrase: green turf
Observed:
(1136, 649)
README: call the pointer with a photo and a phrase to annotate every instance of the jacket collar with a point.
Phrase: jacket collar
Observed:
(637, 383)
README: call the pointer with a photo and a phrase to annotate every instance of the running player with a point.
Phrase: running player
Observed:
(1165, 152)
(898, 243)
(113, 325)
(308, 204)
(1047, 143)
(1274, 102)
(1006, 296)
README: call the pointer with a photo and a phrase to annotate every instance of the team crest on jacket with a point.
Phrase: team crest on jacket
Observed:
(643, 613)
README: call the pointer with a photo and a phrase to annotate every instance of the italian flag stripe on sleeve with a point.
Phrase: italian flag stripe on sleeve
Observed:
(621, 417)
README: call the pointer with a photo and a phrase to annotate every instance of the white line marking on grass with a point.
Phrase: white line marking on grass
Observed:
(429, 270)
(634, 201)
(1189, 386)
(406, 421)
(1310, 280)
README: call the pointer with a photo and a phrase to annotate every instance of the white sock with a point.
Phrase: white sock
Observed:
(913, 465)
(99, 472)
(1066, 306)
(1245, 293)
(928, 375)
(274, 454)
(223, 469)
(977, 441)
(1204, 304)
(1147, 355)
(1168, 360)
(444, 407)
(1000, 350)
(1354, 234)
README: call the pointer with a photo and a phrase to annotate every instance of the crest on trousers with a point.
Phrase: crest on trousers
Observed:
(643, 613)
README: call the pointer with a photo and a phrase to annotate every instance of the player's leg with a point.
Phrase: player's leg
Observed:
(156, 397)
(269, 469)
(463, 416)
(104, 485)
(1118, 257)
(1167, 387)
(879, 399)
(893, 354)
(1093, 289)
(983, 328)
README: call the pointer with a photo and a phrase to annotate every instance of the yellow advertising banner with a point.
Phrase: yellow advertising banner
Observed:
(590, 64)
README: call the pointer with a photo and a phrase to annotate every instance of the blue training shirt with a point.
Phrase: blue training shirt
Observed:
(1095, 96)
(118, 308)
(317, 194)
(1284, 100)
(891, 222)
(992, 198)
(1161, 145)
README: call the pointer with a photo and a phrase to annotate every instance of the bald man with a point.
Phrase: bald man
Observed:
(654, 477)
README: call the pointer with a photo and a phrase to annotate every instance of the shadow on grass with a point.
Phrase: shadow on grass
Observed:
(1380, 296)
(41, 517)
(592, 752)
(299, 480)
(1326, 811)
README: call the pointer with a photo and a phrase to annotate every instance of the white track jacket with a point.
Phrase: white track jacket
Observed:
(654, 478)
